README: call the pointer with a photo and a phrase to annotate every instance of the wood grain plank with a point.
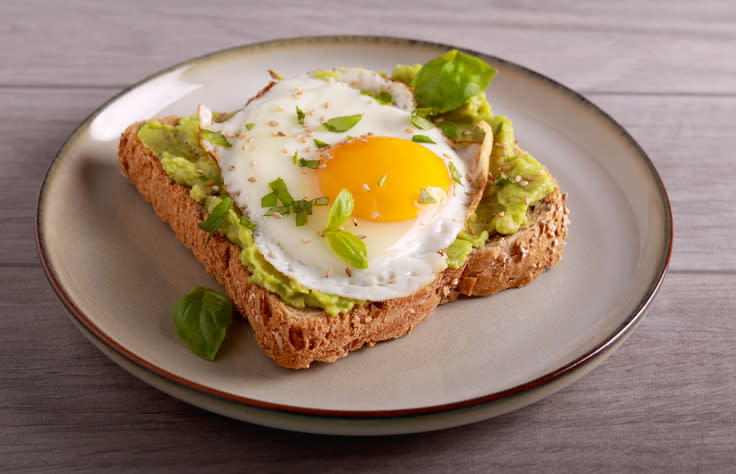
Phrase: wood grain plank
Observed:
(689, 139)
(590, 46)
(664, 402)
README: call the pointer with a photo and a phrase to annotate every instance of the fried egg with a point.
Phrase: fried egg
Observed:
(412, 190)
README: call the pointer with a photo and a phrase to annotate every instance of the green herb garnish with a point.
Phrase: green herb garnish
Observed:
(216, 218)
(421, 139)
(245, 222)
(249, 126)
(455, 173)
(447, 82)
(202, 318)
(349, 247)
(269, 200)
(308, 163)
(381, 180)
(302, 208)
(425, 197)
(216, 138)
(278, 186)
(300, 115)
(320, 143)
(343, 123)
(420, 122)
(383, 98)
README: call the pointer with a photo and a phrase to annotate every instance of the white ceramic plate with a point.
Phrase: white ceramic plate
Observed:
(118, 270)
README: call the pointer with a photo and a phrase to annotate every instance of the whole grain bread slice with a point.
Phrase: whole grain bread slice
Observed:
(296, 337)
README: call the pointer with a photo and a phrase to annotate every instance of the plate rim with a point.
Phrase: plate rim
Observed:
(610, 341)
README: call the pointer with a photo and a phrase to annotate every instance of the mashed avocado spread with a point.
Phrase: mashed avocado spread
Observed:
(517, 182)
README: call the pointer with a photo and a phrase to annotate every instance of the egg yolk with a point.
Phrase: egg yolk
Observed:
(385, 176)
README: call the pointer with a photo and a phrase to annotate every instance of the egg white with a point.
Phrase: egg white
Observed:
(402, 256)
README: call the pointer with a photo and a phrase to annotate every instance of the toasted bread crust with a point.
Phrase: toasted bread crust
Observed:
(295, 337)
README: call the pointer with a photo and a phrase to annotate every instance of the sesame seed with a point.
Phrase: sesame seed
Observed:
(199, 171)
(362, 236)
(310, 133)
(229, 135)
(523, 183)
(210, 183)
(409, 131)
(327, 105)
(369, 134)
(308, 149)
(252, 163)
(322, 118)
(467, 132)
(471, 231)
(355, 222)
(311, 112)
(366, 187)
(501, 214)
(517, 178)
(253, 148)
(306, 241)
(250, 140)
(252, 179)
(230, 168)
(280, 134)
(279, 109)
(374, 215)
(363, 140)
(277, 215)
(273, 123)
(439, 120)
(303, 140)
(348, 271)
(320, 233)
(322, 166)
(329, 273)
(284, 151)
(244, 147)
(216, 189)
(294, 96)
(501, 144)
(526, 201)
(241, 134)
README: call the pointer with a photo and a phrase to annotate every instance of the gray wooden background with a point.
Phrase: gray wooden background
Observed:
(665, 401)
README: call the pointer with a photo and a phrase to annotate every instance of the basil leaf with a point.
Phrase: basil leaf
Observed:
(278, 186)
(447, 82)
(217, 217)
(300, 115)
(313, 164)
(202, 318)
(320, 143)
(340, 210)
(348, 247)
(455, 173)
(421, 139)
(420, 122)
(425, 197)
(250, 126)
(343, 123)
(245, 222)
(216, 138)
(269, 200)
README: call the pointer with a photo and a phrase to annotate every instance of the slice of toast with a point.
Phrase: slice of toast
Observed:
(295, 337)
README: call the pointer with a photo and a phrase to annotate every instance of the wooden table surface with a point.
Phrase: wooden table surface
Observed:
(665, 401)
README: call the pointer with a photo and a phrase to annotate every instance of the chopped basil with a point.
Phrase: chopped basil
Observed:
(216, 218)
(295, 158)
(216, 138)
(278, 186)
(383, 98)
(321, 201)
(455, 173)
(421, 139)
(245, 222)
(320, 143)
(202, 318)
(308, 163)
(381, 180)
(425, 197)
(250, 126)
(300, 115)
(343, 123)
(420, 122)
(269, 200)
